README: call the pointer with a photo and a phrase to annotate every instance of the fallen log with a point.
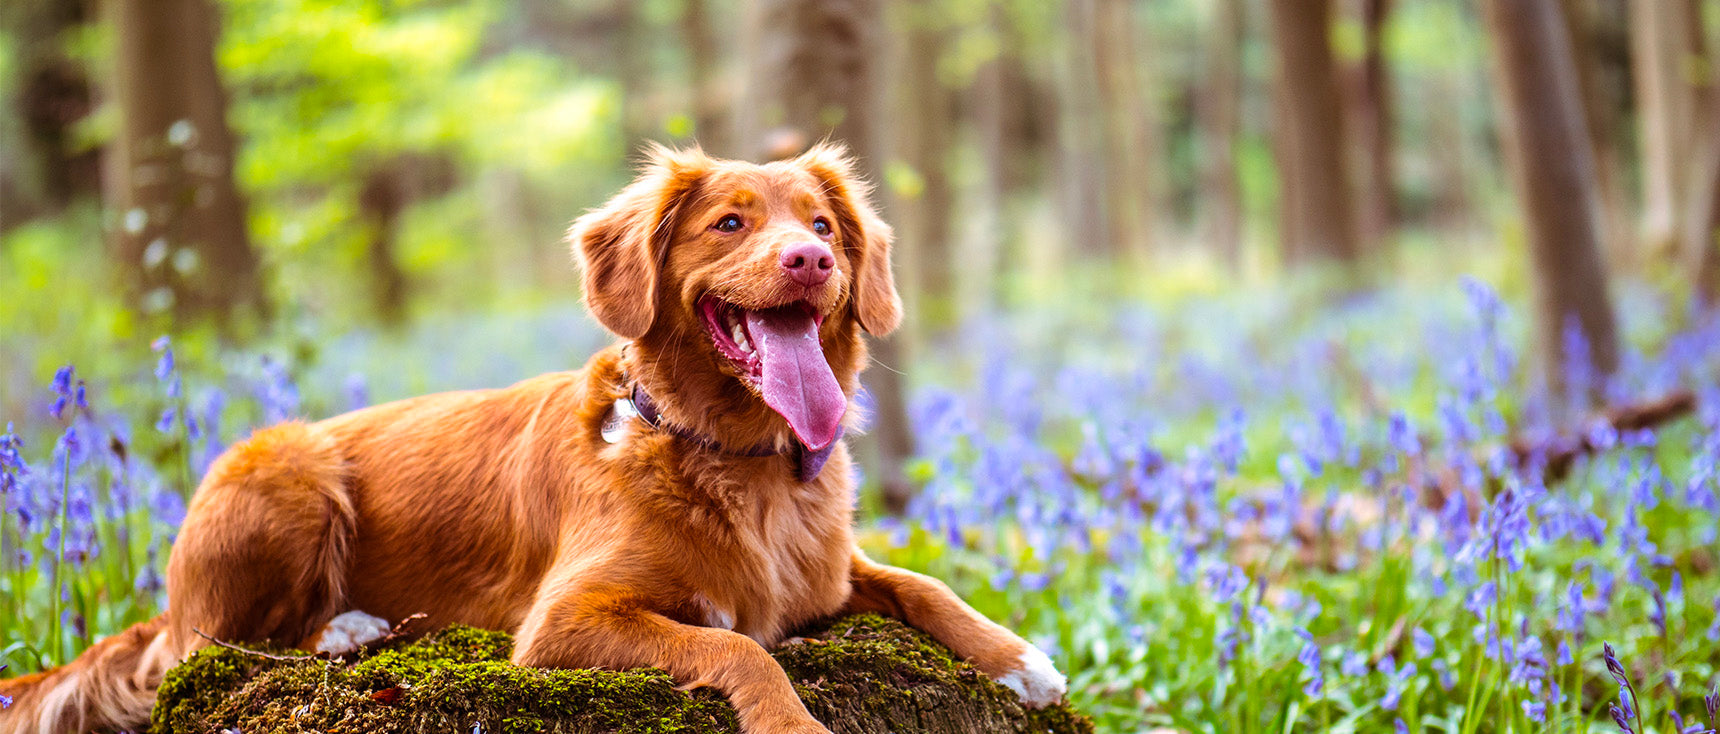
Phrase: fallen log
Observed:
(1557, 454)
(859, 675)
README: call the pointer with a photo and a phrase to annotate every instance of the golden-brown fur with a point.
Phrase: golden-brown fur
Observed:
(507, 508)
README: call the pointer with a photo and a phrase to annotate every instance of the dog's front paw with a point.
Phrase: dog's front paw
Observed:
(1035, 679)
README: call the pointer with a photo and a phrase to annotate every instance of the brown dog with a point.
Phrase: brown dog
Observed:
(669, 505)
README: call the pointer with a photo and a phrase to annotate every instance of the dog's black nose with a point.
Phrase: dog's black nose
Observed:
(808, 263)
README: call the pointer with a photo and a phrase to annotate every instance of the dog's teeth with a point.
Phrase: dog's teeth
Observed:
(740, 335)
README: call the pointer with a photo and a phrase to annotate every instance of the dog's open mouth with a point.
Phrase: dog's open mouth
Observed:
(778, 352)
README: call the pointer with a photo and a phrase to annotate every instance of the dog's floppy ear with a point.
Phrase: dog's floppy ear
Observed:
(862, 233)
(620, 247)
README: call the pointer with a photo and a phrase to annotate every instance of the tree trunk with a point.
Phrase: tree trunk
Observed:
(1452, 211)
(1082, 168)
(381, 199)
(1554, 177)
(181, 222)
(813, 76)
(1130, 129)
(1660, 52)
(706, 100)
(858, 675)
(1601, 104)
(632, 71)
(53, 95)
(1319, 219)
(1221, 125)
(1372, 118)
(922, 128)
(1703, 234)
(1004, 111)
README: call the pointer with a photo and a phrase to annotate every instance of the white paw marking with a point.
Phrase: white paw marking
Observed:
(349, 631)
(1037, 681)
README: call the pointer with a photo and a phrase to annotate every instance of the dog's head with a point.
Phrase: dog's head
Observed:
(759, 274)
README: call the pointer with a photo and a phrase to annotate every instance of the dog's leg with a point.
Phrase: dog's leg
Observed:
(927, 604)
(263, 551)
(608, 630)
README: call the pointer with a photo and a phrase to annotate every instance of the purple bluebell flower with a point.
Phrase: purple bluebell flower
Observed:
(1535, 709)
(62, 388)
(1395, 682)
(1402, 436)
(1309, 657)
(1354, 664)
(1447, 679)
(1481, 599)
(1423, 642)
(1225, 582)
(1622, 717)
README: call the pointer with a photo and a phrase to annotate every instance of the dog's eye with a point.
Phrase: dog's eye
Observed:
(821, 227)
(730, 223)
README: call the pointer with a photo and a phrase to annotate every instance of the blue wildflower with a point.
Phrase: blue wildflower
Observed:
(1423, 642)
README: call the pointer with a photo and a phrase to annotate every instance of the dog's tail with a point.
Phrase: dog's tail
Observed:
(109, 687)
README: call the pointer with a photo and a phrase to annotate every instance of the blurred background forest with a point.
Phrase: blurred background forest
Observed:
(239, 165)
(1125, 227)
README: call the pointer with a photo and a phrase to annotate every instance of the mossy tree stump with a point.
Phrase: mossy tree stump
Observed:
(859, 675)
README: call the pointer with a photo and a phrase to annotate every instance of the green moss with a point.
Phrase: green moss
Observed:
(872, 673)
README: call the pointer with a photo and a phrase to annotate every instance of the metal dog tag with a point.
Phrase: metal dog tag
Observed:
(615, 424)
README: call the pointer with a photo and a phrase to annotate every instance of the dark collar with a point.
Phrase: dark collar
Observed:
(810, 463)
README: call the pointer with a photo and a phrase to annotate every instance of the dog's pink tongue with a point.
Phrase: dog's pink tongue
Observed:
(797, 382)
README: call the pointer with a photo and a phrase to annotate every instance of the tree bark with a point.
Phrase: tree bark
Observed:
(1130, 128)
(1319, 220)
(922, 129)
(1221, 125)
(180, 219)
(1660, 51)
(1554, 177)
(1010, 128)
(706, 100)
(1452, 209)
(1591, 34)
(1703, 235)
(1082, 168)
(814, 76)
(53, 95)
(1372, 118)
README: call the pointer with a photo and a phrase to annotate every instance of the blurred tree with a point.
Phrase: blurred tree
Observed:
(53, 96)
(1318, 218)
(1129, 126)
(1600, 46)
(1662, 34)
(1083, 170)
(1554, 175)
(1007, 102)
(1703, 234)
(707, 101)
(180, 229)
(921, 132)
(384, 193)
(1220, 100)
(1374, 122)
(813, 75)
